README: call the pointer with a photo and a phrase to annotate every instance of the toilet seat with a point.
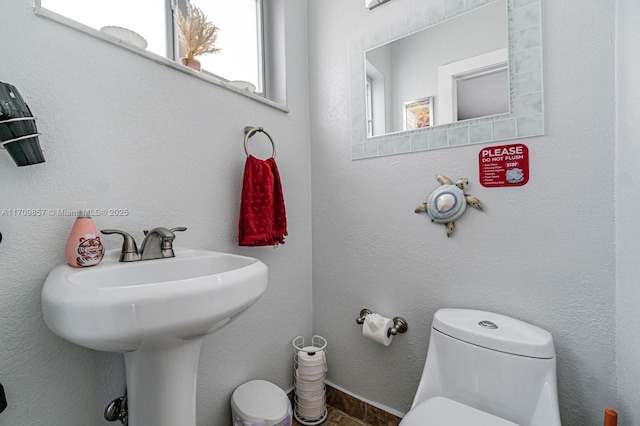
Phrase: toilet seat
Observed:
(440, 411)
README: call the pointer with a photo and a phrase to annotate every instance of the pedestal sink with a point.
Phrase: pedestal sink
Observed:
(156, 312)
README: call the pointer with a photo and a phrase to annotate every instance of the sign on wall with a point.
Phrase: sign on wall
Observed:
(506, 165)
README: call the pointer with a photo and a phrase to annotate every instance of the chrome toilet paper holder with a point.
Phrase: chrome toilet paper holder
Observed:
(400, 325)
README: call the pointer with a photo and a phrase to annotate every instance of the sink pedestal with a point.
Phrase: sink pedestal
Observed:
(161, 383)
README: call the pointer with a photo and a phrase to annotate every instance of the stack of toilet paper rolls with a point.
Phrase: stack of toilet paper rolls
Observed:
(309, 374)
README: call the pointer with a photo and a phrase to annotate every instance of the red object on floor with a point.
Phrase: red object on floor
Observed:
(610, 417)
(263, 220)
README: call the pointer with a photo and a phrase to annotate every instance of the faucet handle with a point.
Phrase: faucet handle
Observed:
(129, 248)
(167, 243)
(179, 228)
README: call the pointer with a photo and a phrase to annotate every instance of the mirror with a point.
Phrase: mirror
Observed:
(464, 73)
(467, 76)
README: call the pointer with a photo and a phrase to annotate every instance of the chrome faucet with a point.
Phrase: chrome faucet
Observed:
(157, 244)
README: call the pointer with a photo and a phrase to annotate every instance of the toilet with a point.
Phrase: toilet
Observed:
(486, 369)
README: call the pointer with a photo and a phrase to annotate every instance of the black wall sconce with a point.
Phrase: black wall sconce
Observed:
(18, 132)
(3, 399)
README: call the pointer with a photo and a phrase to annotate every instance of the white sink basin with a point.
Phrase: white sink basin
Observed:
(117, 306)
(157, 312)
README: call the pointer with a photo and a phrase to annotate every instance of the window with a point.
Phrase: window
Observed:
(369, 99)
(239, 38)
(376, 100)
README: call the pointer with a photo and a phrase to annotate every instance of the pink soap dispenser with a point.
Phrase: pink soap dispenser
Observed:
(84, 247)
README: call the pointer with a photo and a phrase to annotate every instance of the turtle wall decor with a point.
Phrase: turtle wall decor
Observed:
(447, 202)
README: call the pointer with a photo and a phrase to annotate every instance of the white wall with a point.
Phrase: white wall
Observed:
(544, 252)
(121, 131)
(627, 205)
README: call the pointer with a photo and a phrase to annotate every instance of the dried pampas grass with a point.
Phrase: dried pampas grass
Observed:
(197, 36)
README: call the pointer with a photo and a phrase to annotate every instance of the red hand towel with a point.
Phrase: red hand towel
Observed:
(263, 220)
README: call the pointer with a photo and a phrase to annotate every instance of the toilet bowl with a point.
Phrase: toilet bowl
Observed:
(486, 369)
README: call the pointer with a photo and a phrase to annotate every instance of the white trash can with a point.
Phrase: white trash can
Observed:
(260, 403)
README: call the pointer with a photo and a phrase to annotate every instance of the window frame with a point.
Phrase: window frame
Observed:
(270, 70)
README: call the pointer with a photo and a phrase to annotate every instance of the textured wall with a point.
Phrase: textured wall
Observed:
(121, 131)
(543, 252)
(627, 204)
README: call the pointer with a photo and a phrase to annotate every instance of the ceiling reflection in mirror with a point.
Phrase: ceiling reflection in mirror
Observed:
(462, 63)
(471, 72)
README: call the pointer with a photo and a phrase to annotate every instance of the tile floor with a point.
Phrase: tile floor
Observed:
(336, 417)
(346, 410)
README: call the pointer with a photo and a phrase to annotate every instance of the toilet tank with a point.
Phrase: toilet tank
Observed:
(494, 363)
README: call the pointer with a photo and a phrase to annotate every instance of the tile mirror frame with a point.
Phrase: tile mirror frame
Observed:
(526, 84)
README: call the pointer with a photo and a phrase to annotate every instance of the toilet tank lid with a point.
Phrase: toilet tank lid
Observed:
(495, 331)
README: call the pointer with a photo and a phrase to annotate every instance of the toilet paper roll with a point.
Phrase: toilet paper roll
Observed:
(310, 356)
(375, 327)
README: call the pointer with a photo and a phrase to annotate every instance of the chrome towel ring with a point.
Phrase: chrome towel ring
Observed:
(250, 131)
